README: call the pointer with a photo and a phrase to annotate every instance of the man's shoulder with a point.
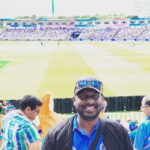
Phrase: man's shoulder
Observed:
(113, 125)
(146, 123)
(144, 126)
(17, 117)
(116, 135)
(64, 125)
(10, 115)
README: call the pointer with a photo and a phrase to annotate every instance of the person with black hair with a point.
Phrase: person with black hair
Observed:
(86, 130)
(19, 131)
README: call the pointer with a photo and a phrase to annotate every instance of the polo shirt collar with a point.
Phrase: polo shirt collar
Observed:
(148, 118)
(76, 126)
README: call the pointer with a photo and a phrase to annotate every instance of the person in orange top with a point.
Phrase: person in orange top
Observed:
(47, 117)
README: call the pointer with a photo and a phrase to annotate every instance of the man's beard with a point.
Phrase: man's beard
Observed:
(88, 117)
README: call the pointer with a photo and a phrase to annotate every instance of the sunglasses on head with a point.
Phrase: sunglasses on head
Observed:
(93, 83)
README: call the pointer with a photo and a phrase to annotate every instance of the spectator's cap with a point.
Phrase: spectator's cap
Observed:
(88, 82)
(132, 125)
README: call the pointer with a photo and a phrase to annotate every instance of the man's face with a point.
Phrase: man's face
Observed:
(88, 104)
(146, 109)
(31, 114)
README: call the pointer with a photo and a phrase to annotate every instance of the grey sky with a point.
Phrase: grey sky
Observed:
(65, 7)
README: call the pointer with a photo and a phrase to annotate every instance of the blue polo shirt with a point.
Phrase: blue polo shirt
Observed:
(142, 138)
(82, 141)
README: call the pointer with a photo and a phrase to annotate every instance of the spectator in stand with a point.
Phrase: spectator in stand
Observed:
(86, 130)
(142, 138)
(103, 113)
(2, 108)
(7, 106)
(64, 34)
(19, 131)
(132, 130)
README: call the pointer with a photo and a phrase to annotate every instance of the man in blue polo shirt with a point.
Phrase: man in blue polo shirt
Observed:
(142, 138)
(82, 140)
(88, 103)
(86, 130)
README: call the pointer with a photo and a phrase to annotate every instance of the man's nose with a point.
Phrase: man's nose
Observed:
(89, 99)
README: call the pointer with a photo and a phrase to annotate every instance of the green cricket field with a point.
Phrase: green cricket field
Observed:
(29, 67)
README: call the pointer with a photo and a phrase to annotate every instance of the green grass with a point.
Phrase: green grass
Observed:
(32, 69)
(63, 70)
(131, 56)
(128, 69)
(3, 63)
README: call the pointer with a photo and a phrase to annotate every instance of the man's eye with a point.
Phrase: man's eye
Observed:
(83, 97)
(96, 96)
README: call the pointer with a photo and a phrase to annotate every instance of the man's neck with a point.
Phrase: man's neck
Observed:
(24, 114)
(87, 125)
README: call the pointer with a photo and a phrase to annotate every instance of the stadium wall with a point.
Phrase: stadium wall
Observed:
(115, 104)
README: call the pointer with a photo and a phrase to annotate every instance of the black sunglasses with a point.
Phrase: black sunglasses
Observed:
(86, 97)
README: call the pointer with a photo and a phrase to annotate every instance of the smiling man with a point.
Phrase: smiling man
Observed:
(86, 130)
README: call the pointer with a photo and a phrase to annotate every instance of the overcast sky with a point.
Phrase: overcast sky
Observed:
(65, 7)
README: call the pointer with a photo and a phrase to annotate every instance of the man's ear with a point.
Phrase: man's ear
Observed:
(74, 99)
(28, 108)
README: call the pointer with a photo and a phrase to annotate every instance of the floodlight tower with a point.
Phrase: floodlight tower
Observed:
(53, 8)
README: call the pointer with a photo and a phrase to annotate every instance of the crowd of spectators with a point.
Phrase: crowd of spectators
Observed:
(117, 33)
(137, 132)
(35, 34)
(123, 33)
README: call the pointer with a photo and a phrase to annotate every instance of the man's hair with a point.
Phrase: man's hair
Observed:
(146, 100)
(29, 101)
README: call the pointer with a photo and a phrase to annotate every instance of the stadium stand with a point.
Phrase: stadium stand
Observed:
(65, 30)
